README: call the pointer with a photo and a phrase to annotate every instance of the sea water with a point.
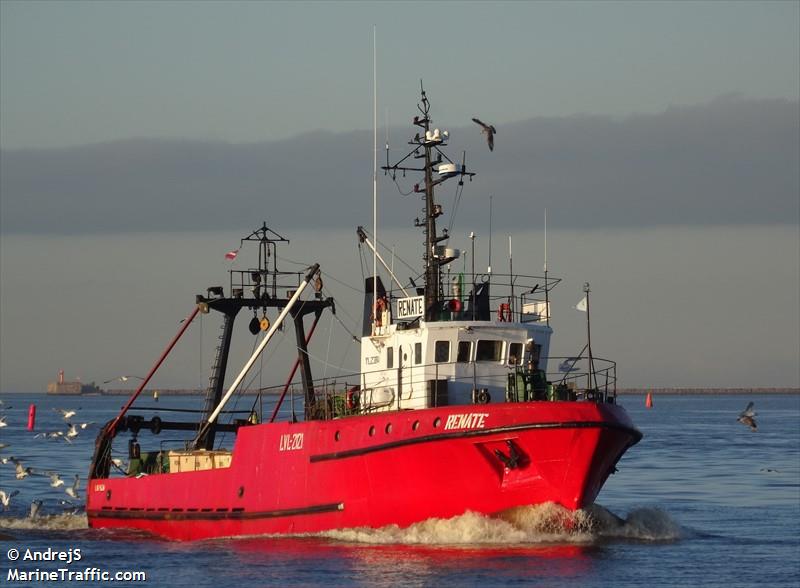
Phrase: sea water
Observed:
(701, 501)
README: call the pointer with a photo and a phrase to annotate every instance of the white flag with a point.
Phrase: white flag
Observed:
(582, 305)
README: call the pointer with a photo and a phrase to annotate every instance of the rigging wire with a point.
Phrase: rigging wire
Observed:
(456, 201)
(388, 249)
(341, 283)
(328, 350)
(399, 189)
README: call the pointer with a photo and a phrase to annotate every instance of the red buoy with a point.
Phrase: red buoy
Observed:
(648, 402)
(31, 417)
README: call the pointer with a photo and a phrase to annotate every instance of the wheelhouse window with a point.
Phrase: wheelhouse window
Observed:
(390, 357)
(464, 348)
(489, 350)
(417, 353)
(515, 354)
(441, 351)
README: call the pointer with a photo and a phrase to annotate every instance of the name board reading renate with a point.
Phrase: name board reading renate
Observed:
(410, 307)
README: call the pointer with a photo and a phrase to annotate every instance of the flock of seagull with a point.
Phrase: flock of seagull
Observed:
(21, 471)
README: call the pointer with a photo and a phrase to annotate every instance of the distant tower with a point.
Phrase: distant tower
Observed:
(60, 376)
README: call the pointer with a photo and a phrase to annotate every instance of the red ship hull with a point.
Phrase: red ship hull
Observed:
(375, 470)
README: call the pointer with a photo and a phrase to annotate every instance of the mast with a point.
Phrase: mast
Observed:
(426, 148)
(432, 273)
(375, 317)
(246, 368)
(591, 373)
(546, 289)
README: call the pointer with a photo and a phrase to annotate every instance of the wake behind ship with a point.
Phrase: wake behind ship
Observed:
(458, 405)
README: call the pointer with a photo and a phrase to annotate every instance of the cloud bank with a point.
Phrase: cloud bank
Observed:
(730, 161)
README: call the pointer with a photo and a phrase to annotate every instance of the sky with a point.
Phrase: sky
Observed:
(140, 140)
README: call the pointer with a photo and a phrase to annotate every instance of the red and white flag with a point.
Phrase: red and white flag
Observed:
(232, 254)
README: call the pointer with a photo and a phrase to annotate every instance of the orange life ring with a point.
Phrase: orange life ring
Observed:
(377, 311)
(504, 312)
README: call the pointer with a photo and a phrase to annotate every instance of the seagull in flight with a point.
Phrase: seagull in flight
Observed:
(72, 491)
(67, 414)
(20, 473)
(69, 506)
(122, 379)
(3, 422)
(746, 417)
(35, 506)
(489, 130)
(55, 480)
(5, 499)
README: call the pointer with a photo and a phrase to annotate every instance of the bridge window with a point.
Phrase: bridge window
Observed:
(464, 349)
(489, 351)
(515, 354)
(417, 353)
(390, 357)
(441, 351)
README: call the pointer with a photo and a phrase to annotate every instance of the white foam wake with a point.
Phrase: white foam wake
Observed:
(538, 524)
(56, 522)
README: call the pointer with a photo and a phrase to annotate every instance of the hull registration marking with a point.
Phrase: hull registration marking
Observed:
(291, 442)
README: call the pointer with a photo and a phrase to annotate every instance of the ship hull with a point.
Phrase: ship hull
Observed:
(375, 470)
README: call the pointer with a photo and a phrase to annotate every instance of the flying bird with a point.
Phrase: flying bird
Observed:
(55, 480)
(20, 473)
(35, 506)
(67, 414)
(489, 130)
(746, 417)
(72, 432)
(5, 499)
(122, 379)
(3, 422)
(69, 507)
(72, 491)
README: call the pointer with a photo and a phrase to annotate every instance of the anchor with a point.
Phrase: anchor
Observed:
(510, 461)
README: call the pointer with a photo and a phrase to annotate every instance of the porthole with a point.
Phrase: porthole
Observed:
(372, 430)
(337, 436)
(241, 491)
(388, 428)
(108, 494)
(436, 422)
(415, 426)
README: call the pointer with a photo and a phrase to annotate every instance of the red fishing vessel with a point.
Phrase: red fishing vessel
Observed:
(453, 408)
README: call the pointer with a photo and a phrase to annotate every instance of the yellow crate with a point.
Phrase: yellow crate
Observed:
(193, 461)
